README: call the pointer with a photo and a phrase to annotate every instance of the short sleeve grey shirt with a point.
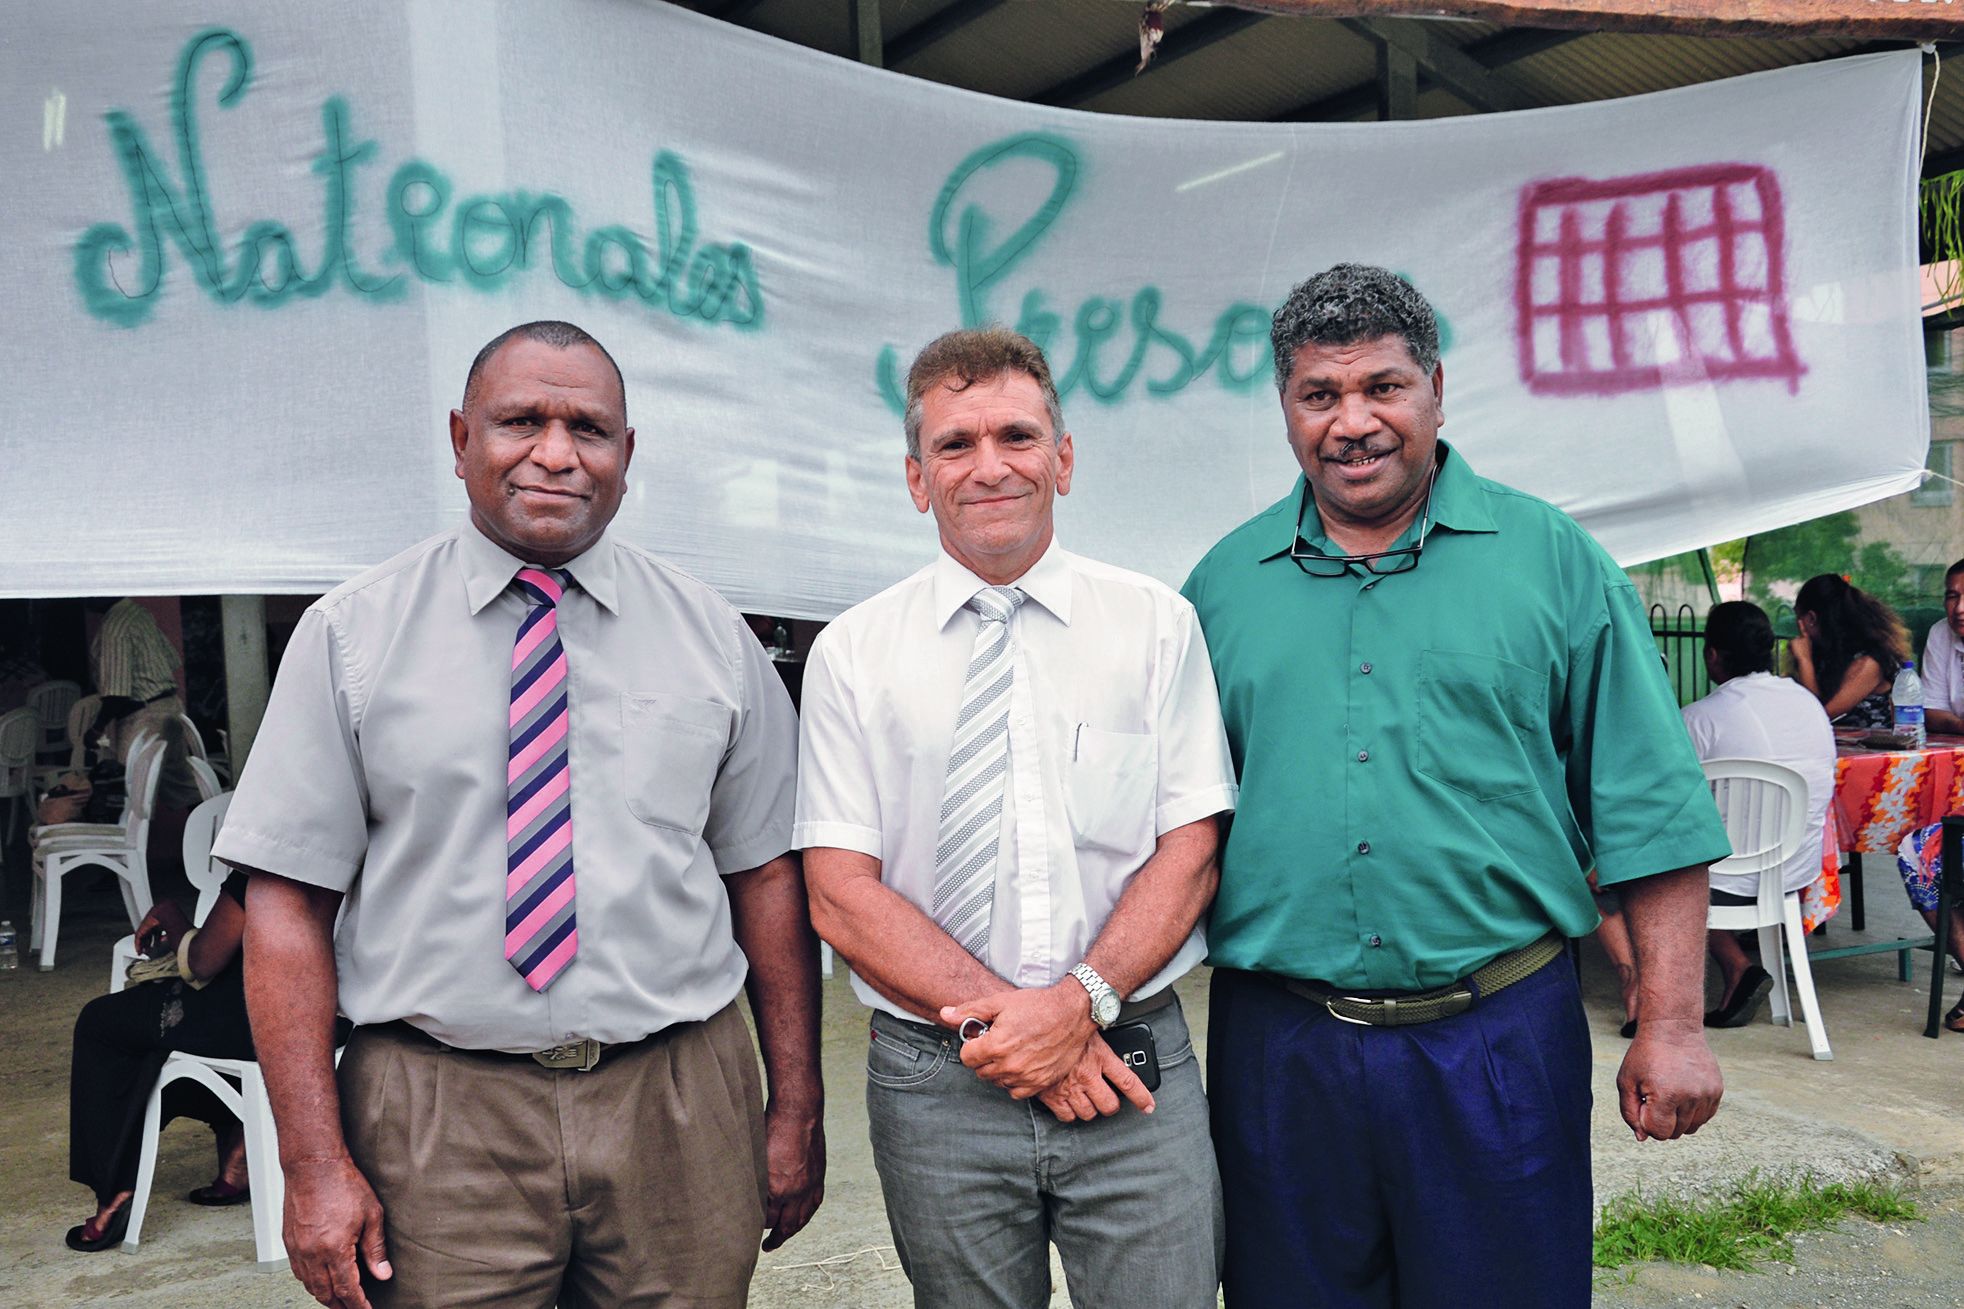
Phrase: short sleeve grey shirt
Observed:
(380, 771)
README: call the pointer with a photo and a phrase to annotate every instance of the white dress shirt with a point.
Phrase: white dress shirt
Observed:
(380, 771)
(1942, 678)
(1760, 716)
(1115, 738)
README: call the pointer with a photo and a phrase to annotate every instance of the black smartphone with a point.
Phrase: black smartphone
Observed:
(1133, 1044)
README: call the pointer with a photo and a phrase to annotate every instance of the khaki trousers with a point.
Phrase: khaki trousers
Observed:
(641, 1182)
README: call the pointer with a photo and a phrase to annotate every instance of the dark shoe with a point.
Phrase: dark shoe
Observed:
(111, 1234)
(1754, 983)
(1628, 1030)
(1954, 1020)
(220, 1192)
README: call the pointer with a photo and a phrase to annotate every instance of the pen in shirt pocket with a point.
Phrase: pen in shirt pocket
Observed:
(1077, 733)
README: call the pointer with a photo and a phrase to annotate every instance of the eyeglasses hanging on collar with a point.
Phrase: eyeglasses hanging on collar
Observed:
(1383, 563)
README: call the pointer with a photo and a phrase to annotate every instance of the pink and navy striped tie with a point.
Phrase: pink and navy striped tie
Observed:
(541, 936)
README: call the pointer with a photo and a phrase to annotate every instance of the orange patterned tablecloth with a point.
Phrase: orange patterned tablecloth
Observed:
(1881, 796)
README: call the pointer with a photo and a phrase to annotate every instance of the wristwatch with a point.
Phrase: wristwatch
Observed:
(1104, 1000)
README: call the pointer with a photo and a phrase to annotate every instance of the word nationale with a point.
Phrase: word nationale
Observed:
(480, 241)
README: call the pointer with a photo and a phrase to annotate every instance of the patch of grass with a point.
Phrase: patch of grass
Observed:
(1739, 1230)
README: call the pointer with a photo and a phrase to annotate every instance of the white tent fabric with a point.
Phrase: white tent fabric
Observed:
(246, 269)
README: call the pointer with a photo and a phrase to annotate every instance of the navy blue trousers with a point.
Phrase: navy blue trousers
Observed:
(1444, 1164)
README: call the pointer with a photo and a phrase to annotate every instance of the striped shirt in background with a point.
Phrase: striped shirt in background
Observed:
(130, 655)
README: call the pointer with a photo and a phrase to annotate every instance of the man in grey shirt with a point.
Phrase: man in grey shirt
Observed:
(547, 780)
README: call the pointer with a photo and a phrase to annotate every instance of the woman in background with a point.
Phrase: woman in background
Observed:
(1849, 650)
(121, 1042)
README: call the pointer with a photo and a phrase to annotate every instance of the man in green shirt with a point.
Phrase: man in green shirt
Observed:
(1445, 706)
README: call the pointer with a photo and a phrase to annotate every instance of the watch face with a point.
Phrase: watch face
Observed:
(1106, 1008)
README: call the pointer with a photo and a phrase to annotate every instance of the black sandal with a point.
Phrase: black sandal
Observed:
(78, 1237)
(220, 1192)
(1954, 1020)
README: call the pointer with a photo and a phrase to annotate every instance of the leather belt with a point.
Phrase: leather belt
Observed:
(581, 1056)
(1430, 1006)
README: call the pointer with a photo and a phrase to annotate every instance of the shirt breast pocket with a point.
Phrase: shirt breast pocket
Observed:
(1476, 716)
(672, 746)
(1114, 780)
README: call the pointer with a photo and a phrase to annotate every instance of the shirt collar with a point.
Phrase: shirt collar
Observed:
(1459, 503)
(1048, 582)
(488, 569)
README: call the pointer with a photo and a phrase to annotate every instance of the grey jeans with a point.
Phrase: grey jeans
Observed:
(977, 1184)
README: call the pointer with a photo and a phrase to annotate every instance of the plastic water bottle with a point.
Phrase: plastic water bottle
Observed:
(9, 948)
(1907, 696)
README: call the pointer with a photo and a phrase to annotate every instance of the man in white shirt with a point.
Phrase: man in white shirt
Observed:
(1753, 714)
(1943, 661)
(1012, 764)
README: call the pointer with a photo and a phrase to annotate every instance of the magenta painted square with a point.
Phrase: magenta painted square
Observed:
(1654, 280)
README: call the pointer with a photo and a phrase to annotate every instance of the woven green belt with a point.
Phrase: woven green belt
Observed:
(1430, 1006)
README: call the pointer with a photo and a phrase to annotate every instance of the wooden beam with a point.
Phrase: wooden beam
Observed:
(1444, 63)
(734, 11)
(1873, 19)
(1496, 51)
(1397, 84)
(928, 31)
(863, 22)
(1120, 69)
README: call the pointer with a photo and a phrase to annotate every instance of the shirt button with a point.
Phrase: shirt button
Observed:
(1363, 847)
(1376, 940)
(1364, 668)
(1363, 756)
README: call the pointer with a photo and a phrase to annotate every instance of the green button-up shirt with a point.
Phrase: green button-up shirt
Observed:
(1431, 761)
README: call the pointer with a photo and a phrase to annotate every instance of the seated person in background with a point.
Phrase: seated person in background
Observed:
(1749, 714)
(1849, 650)
(121, 1042)
(1920, 860)
(1943, 661)
(135, 668)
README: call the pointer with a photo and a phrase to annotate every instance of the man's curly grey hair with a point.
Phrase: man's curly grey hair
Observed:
(1348, 303)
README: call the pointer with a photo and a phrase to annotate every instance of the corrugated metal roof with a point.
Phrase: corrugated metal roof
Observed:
(1250, 68)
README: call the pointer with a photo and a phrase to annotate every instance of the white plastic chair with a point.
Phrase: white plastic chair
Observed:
(51, 702)
(236, 1082)
(1764, 807)
(20, 732)
(121, 847)
(207, 875)
(208, 783)
(80, 715)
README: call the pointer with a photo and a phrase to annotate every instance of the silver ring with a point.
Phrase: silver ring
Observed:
(964, 1032)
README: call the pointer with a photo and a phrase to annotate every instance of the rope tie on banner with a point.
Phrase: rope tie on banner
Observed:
(1936, 75)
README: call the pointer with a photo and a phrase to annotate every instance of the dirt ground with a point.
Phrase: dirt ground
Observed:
(1891, 1104)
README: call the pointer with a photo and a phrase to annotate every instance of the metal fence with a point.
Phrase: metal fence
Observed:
(1680, 637)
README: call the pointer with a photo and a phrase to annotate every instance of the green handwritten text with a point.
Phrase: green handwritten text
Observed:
(480, 241)
(1116, 343)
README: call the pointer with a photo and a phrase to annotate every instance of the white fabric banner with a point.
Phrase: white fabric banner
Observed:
(247, 267)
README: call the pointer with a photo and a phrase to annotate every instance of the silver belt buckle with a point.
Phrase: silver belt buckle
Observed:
(1330, 1003)
(581, 1056)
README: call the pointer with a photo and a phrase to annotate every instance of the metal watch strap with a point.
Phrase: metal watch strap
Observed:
(1097, 988)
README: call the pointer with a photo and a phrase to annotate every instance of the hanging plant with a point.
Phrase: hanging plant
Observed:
(1941, 201)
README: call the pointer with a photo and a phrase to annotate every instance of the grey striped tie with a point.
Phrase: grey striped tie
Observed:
(971, 804)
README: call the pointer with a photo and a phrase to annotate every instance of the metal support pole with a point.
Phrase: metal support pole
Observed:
(1950, 890)
(864, 18)
(248, 681)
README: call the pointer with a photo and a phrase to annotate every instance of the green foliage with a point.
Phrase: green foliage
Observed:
(1754, 1222)
(1941, 202)
(1788, 556)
